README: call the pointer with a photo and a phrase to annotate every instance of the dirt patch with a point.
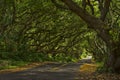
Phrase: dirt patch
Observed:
(88, 68)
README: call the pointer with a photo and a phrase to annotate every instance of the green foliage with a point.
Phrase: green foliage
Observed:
(34, 32)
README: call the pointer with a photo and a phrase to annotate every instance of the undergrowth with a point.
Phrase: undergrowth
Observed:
(9, 64)
(10, 60)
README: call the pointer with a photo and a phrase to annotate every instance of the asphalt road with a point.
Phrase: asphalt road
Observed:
(50, 71)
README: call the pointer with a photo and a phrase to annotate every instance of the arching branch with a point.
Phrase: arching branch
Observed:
(104, 9)
(86, 3)
(59, 6)
(94, 23)
(91, 7)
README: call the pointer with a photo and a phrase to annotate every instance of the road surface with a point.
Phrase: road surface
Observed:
(50, 71)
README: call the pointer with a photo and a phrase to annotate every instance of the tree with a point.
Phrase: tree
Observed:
(38, 27)
(99, 24)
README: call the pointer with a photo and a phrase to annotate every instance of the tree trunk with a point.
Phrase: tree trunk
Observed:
(113, 60)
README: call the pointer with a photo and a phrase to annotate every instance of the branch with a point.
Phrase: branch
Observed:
(89, 19)
(91, 7)
(100, 5)
(94, 23)
(58, 5)
(105, 9)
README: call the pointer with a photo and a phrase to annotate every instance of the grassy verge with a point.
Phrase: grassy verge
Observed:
(10, 64)
(15, 66)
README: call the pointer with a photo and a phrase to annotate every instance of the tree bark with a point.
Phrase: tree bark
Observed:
(114, 58)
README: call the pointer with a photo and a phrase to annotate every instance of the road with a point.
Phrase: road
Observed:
(50, 71)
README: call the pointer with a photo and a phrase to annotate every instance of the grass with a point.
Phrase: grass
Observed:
(15, 66)
(10, 64)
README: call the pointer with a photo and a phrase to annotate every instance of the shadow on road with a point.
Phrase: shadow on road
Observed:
(50, 71)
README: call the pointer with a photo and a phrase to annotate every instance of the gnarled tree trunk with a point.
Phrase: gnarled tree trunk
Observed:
(113, 60)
